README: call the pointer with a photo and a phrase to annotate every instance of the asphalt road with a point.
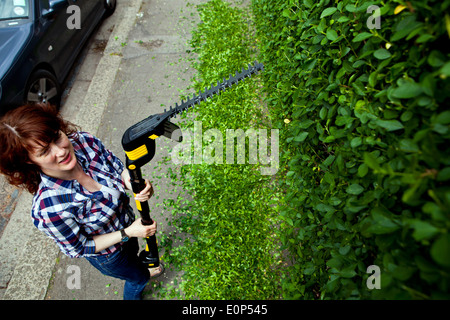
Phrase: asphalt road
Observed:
(135, 65)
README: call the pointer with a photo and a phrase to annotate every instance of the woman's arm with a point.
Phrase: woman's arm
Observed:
(126, 179)
(136, 229)
(106, 240)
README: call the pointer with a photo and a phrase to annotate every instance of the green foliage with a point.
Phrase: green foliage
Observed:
(365, 119)
(230, 251)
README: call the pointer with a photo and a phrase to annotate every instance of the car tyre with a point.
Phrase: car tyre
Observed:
(43, 87)
(110, 6)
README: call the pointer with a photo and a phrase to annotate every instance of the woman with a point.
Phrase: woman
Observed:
(79, 192)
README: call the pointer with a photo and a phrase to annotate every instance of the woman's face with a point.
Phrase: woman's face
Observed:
(55, 160)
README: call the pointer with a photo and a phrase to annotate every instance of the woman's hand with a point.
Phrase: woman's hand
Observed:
(146, 193)
(142, 196)
(137, 229)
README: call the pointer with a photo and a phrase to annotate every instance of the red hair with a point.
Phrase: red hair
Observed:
(32, 123)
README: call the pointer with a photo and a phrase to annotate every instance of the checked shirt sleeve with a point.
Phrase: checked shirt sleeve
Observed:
(59, 223)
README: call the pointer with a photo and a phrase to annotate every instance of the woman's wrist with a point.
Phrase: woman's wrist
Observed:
(124, 234)
(129, 232)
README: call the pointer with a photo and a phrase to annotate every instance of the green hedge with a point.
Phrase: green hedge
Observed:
(365, 120)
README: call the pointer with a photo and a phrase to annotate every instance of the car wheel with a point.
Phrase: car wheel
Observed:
(43, 88)
(110, 6)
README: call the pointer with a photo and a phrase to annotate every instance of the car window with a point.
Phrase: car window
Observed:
(14, 9)
(45, 4)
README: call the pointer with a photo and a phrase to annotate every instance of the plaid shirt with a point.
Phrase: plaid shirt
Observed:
(71, 215)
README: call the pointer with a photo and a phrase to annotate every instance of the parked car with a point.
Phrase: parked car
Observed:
(39, 42)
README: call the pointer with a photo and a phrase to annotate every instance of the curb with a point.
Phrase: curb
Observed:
(26, 253)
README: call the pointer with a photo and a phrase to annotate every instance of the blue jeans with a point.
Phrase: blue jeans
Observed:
(124, 264)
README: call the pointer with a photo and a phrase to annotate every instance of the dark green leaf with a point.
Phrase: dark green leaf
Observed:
(343, 19)
(408, 145)
(443, 117)
(440, 250)
(344, 250)
(443, 175)
(328, 12)
(445, 70)
(423, 229)
(356, 142)
(381, 54)
(305, 124)
(436, 58)
(332, 34)
(371, 161)
(408, 89)
(362, 36)
(405, 27)
(355, 189)
(381, 223)
(348, 272)
(334, 263)
(301, 137)
(363, 169)
(389, 125)
(350, 8)
(329, 160)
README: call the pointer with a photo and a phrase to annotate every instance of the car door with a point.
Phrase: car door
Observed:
(57, 42)
(91, 13)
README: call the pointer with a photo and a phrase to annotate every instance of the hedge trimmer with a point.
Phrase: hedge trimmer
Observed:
(138, 141)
